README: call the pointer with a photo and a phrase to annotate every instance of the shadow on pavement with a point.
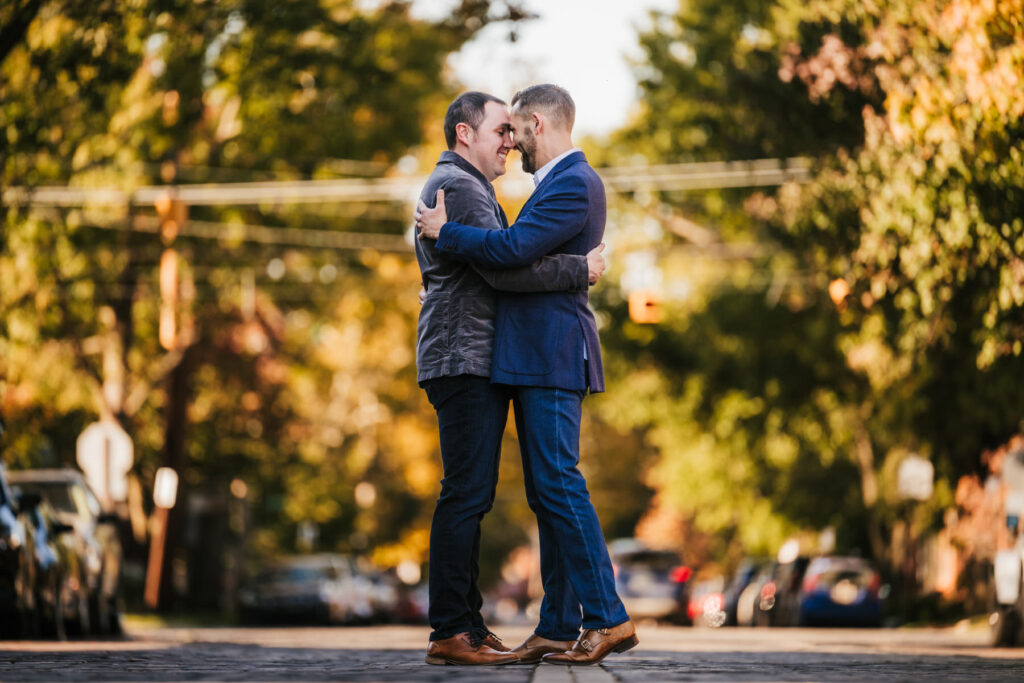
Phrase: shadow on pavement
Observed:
(232, 662)
(810, 665)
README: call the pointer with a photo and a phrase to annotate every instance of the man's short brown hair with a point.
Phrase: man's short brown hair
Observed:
(550, 99)
(467, 108)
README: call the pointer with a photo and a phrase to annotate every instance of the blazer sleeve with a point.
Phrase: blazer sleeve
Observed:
(553, 220)
(467, 203)
(554, 273)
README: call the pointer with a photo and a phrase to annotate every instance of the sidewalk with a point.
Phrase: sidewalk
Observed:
(391, 654)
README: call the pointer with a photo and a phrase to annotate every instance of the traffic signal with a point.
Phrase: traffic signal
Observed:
(645, 307)
(172, 214)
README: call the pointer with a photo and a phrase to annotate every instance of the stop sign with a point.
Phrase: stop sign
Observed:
(105, 454)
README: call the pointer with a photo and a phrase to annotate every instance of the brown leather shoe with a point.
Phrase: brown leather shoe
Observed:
(535, 647)
(494, 642)
(460, 650)
(595, 644)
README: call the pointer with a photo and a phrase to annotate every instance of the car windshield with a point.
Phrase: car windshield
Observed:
(299, 574)
(57, 494)
(857, 575)
(658, 561)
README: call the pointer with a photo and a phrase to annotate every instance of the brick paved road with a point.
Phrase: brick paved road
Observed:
(392, 654)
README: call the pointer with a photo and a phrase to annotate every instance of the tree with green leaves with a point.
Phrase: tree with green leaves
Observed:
(298, 374)
(882, 315)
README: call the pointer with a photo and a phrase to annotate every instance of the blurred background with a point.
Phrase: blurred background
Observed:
(812, 320)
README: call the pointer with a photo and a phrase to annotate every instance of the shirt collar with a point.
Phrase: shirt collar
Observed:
(450, 157)
(542, 172)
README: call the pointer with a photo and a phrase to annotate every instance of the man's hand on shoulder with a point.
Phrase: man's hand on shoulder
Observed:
(429, 221)
(596, 263)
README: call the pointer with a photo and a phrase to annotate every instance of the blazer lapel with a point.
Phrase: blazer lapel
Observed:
(538, 191)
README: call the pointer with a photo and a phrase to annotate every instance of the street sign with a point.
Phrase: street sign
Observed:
(165, 488)
(105, 453)
(915, 478)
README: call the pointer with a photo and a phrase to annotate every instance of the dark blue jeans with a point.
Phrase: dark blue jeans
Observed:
(471, 416)
(579, 584)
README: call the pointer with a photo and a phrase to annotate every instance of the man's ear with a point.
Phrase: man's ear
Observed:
(463, 131)
(538, 121)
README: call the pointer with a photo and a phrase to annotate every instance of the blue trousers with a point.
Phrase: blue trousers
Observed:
(579, 584)
(471, 417)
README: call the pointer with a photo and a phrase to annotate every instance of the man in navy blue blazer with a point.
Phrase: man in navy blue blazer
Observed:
(546, 349)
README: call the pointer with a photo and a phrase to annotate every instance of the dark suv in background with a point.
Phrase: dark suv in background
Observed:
(18, 612)
(61, 584)
(77, 506)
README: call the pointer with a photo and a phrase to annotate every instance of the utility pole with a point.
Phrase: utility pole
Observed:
(172, 213)
(175, 335)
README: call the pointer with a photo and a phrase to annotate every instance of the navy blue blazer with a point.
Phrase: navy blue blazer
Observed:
(541, 340)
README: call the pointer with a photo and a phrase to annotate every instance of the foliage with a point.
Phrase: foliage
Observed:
(883, 313)
(300, 377)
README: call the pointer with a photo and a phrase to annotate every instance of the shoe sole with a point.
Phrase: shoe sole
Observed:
(442, 661)
(540, 657)
(627, 644)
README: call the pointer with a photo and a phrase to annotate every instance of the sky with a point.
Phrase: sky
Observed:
(581, 45)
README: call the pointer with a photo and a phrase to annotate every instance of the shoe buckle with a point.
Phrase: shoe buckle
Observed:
(585, 645)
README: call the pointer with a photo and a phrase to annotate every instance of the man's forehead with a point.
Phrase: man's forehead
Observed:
(518, 121)
(496, 113)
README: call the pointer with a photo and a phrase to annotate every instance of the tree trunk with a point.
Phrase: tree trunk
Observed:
(865, 458)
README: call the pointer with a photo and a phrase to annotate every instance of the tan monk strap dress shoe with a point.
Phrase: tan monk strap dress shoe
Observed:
(535, 647)
(594, 644)
(461, 650)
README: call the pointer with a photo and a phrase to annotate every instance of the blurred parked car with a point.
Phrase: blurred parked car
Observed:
(323, 588)
(76, 505)
(653, 584)
(61, 590)
(707, 603)
(779, 594)
(1006, 614)
(840, 591)
(411, 607)
(732, 595)
(18, 614)
(384, 596)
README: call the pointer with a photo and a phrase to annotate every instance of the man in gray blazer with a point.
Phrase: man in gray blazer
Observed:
(455, 337)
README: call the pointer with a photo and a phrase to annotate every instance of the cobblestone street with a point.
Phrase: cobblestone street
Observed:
(396, 654)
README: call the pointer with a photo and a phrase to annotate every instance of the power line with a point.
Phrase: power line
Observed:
(299, 237)
(690, 176)
(243, 232)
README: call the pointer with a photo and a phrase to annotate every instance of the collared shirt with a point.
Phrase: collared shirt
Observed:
(542, 172)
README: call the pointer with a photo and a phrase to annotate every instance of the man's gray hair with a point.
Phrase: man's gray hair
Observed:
(550, 99)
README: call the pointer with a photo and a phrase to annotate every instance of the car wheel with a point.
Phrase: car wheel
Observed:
(28, 626)
(53, 624)
(99, 614)
(80, 625)
(60, 630)
(114, 626)
(28, 617)
(1005, 623)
